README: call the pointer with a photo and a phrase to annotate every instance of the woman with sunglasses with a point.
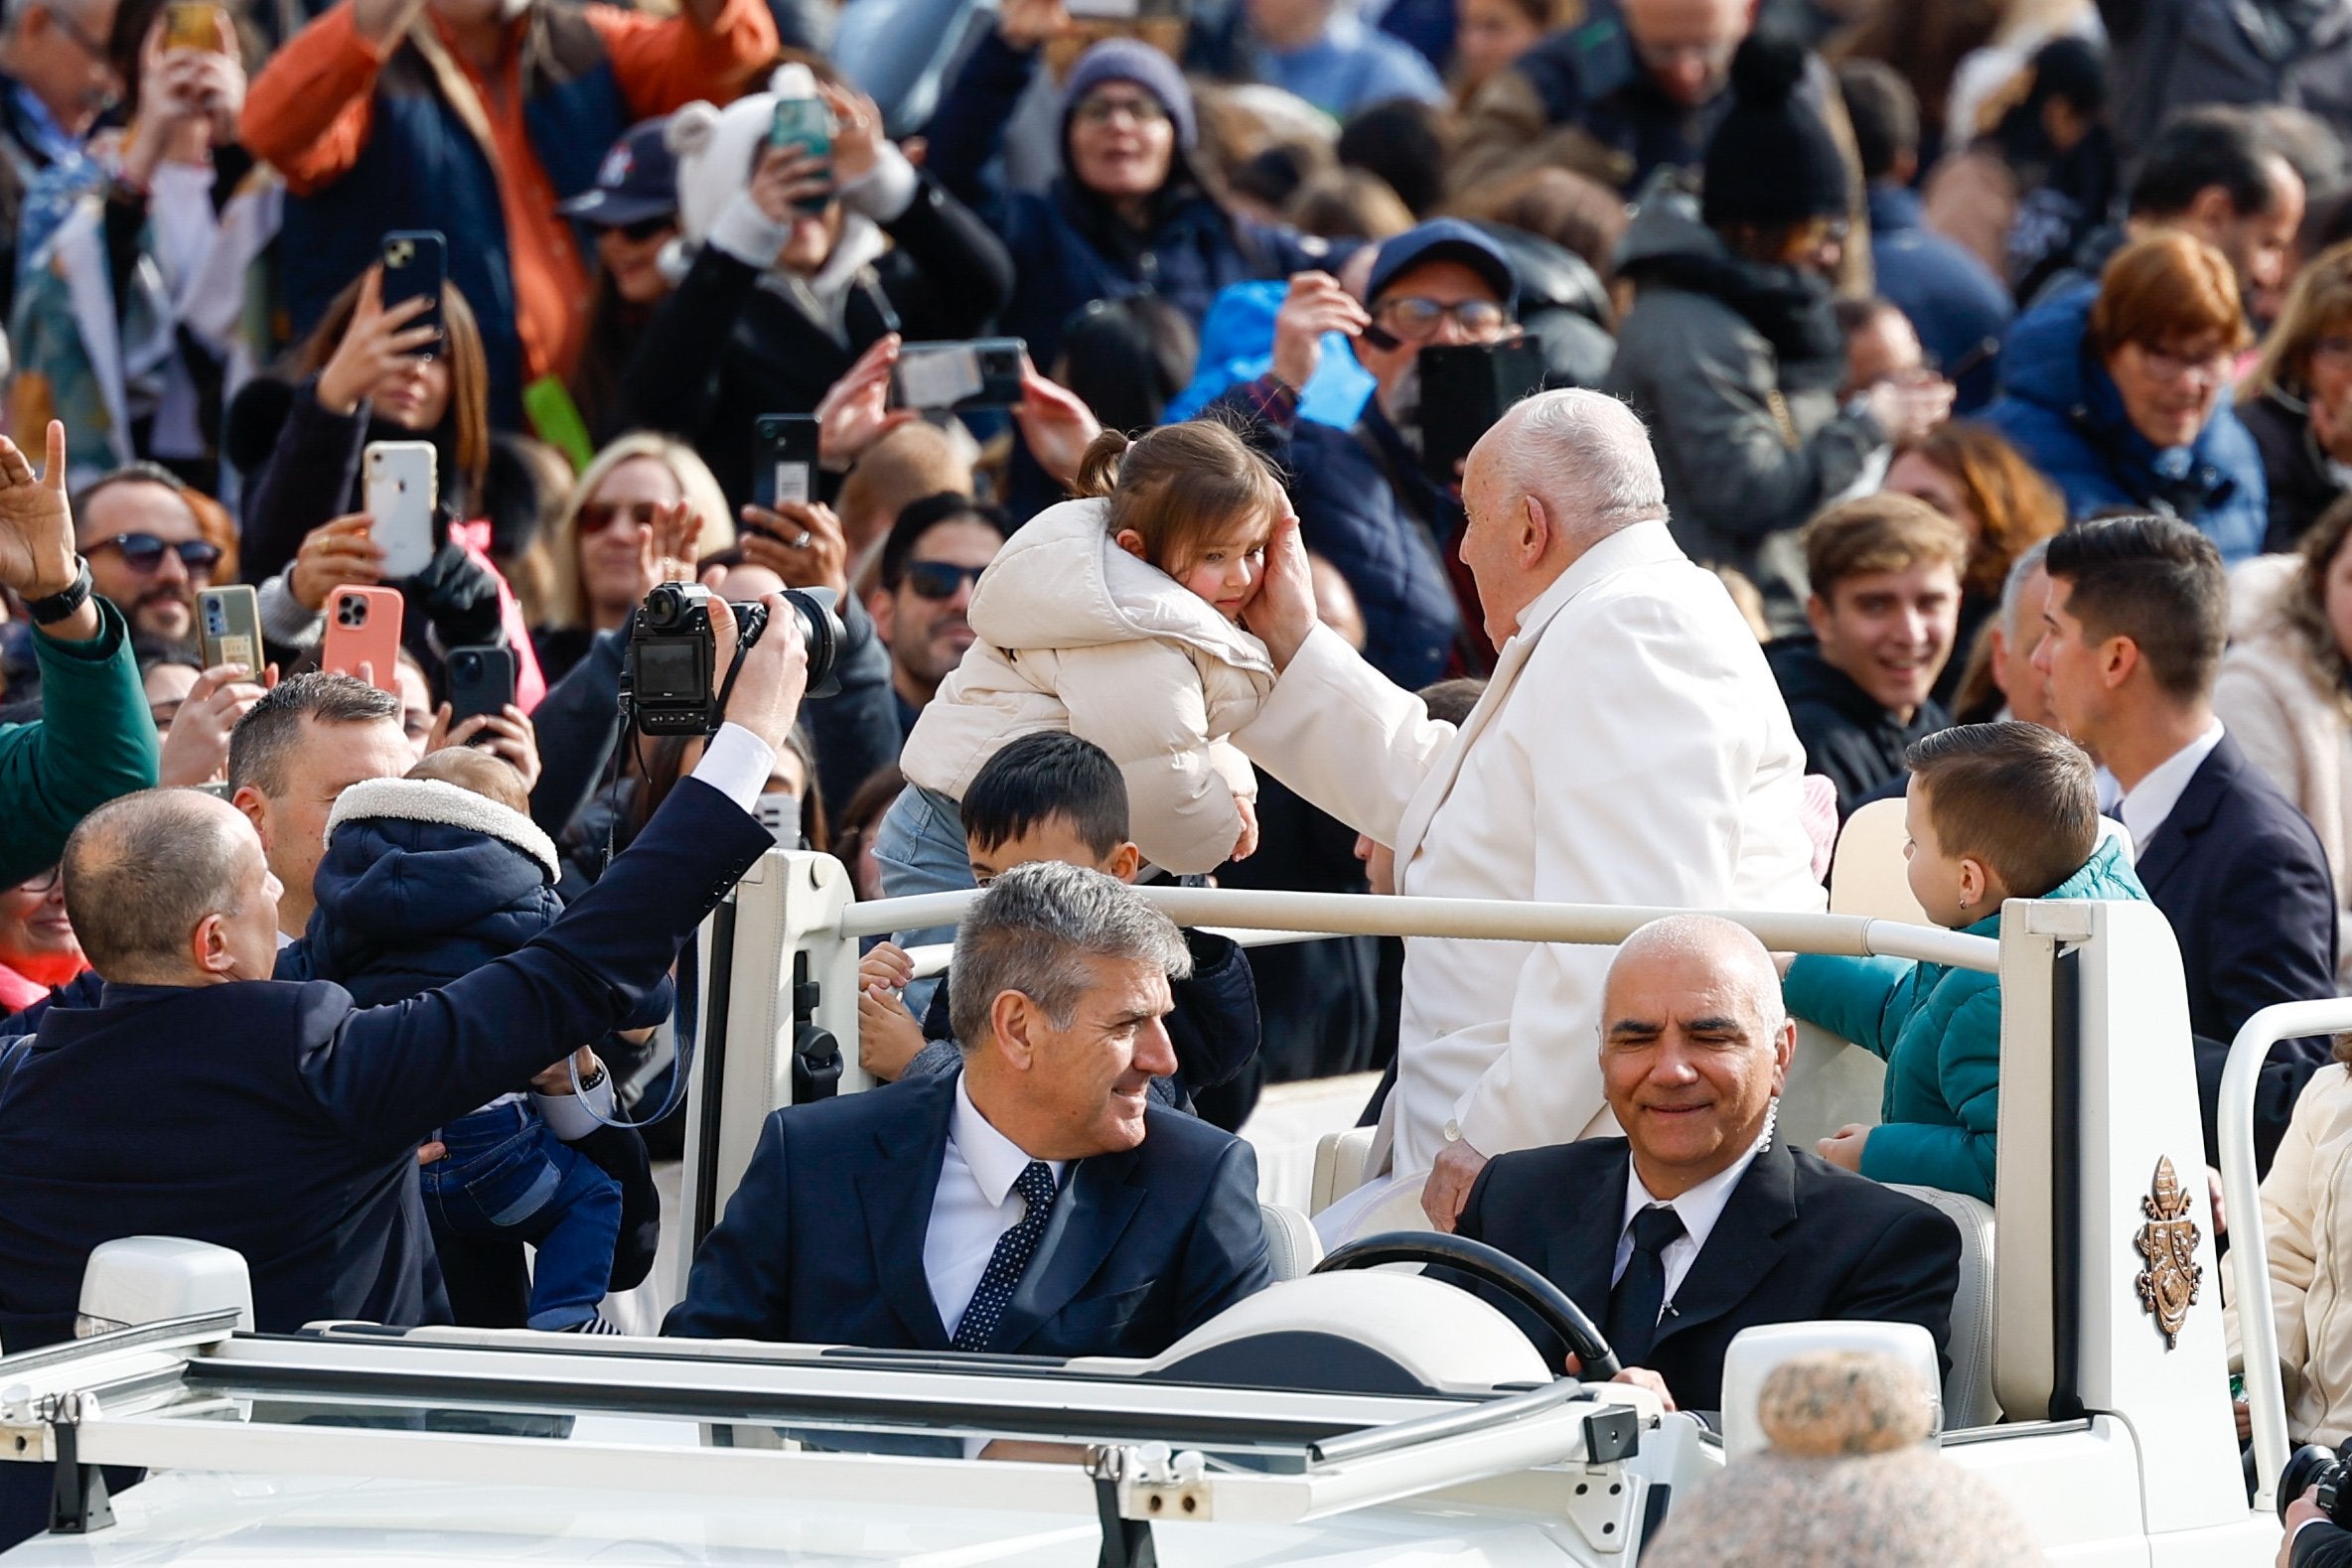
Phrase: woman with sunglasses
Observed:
(37, 952)
(607, 549)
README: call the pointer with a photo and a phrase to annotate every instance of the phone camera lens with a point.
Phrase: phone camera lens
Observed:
(466, 664)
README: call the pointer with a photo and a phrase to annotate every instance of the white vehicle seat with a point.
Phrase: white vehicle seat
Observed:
(1866, 874)
(1339, 1166)
(1292, 1248)
(1968, 1391)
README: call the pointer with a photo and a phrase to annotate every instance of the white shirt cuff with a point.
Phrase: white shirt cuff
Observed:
(574, 1116)
(737, 764)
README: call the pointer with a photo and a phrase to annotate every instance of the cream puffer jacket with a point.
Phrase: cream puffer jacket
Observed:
(2307, 1221)
(1075, 633)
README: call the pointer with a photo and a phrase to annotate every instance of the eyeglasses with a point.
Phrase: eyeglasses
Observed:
(143, 552)
(44, 883)
(598, 515)
(940, 579)
(644, 228)
(1103, 111)
(94, 48)
(1414, 318)
(2211, 366)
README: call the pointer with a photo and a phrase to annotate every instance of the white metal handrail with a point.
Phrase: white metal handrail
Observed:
(1485, 920)
(2249, 1254)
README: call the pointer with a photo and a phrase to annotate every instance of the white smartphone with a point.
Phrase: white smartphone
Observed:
(405, 501)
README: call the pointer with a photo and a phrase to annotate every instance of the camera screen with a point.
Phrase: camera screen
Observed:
(667, 669)
(939, 377)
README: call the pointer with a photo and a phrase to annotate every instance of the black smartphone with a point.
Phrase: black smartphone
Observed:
(480, 680)
(953, 376)
(784, 464)
(415, 266)
(1465, 387)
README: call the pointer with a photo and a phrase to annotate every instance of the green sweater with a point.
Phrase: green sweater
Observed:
(96, 741)
(1939, 1031)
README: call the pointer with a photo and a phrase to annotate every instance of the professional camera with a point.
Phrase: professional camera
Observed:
(669, 684)
(2312, 1464)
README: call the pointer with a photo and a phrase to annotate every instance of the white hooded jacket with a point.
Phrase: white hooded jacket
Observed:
(1077, 635)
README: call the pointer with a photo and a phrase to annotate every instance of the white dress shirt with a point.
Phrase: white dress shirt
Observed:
(2149, 802)
(1699, 1208)
(973, 1207)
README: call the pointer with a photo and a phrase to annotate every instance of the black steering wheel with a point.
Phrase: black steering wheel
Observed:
(1488, 1266)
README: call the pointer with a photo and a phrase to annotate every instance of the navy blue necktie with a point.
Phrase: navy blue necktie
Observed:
(1640, 1295)
(1014, 1251)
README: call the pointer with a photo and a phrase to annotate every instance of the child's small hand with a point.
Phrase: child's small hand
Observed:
(1246, 844)
(1844, 1147)
(888, 1037)
(887, 966)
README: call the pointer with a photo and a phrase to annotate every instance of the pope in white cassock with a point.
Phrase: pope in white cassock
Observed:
(1630, 749)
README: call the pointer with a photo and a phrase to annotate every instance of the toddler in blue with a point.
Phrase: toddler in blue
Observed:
(426, 878)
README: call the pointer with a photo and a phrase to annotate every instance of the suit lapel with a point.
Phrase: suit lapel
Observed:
(1087, 1222)
(1744, 1246)
(1580, 1256)
(896, 1193)
(2168, 846)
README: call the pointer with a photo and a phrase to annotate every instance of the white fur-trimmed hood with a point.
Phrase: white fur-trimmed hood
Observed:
(432, 801)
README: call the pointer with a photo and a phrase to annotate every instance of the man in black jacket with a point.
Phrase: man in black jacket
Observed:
(201, 1099)
(2134, 627)
(1884, 608)
(1699, 1222)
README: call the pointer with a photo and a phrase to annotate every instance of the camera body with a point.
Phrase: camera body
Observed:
(2327, 1469)
(669, 681)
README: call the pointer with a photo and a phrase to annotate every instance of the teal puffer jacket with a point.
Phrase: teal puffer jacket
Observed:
(1939, 1031)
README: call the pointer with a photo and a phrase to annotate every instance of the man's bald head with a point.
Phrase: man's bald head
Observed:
(143, 872)
(1694, 1047)
(1703, 943)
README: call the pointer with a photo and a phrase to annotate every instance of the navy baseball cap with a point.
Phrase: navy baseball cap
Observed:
(1443, 239)
(638, 180)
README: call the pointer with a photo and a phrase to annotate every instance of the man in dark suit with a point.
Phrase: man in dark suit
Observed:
(2133, 628)
(1033, 1201)
(1698, 1223)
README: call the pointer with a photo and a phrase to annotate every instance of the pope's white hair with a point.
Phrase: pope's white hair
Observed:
(1586, 457)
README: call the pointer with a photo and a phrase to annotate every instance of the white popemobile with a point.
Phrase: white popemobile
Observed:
(1341, 1416)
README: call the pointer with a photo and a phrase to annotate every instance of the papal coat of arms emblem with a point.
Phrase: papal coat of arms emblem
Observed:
(2169, 1285)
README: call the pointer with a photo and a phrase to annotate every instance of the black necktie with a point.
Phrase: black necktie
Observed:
(1640, 1295)
(1014, 1249)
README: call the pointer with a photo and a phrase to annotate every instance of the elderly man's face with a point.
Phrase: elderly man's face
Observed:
(1496, 537)
(1087, 1083)
(1690, 1060)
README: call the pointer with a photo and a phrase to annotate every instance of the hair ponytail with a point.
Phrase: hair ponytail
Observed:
(1097, 470)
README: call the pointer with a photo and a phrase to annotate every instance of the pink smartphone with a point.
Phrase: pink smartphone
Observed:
(363, 635)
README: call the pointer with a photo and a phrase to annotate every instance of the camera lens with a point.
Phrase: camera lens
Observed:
(822, 633)
(664, 607)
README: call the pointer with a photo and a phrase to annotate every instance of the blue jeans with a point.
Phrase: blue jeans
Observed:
(508, 1176)
(920, 848)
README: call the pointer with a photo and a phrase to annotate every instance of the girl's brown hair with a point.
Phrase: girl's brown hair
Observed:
(2014, 504)
(466, 423)
(1177, 487)
(2303, 606)
(2319, 304)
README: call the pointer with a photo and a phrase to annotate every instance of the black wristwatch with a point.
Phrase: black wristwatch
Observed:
(60, 605)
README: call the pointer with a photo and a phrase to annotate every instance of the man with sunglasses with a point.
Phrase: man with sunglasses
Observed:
(147, 553)
(1364, 502)
(931, 558)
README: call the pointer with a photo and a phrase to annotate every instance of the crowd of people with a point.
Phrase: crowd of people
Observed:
(1943, 401)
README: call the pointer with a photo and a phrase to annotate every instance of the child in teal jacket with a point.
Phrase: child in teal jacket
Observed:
(1994, 811)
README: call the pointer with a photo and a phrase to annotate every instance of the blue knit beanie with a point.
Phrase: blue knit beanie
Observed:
(1126, 60)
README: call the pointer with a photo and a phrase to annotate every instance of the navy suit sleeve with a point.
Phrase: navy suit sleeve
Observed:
(1224, 1258)
(1909, 1275)
(387, 1076)
(2322, 1546)
(740, 1286)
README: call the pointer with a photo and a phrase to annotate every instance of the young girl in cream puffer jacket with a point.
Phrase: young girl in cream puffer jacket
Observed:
(1115, 618)
(2306, 1220)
